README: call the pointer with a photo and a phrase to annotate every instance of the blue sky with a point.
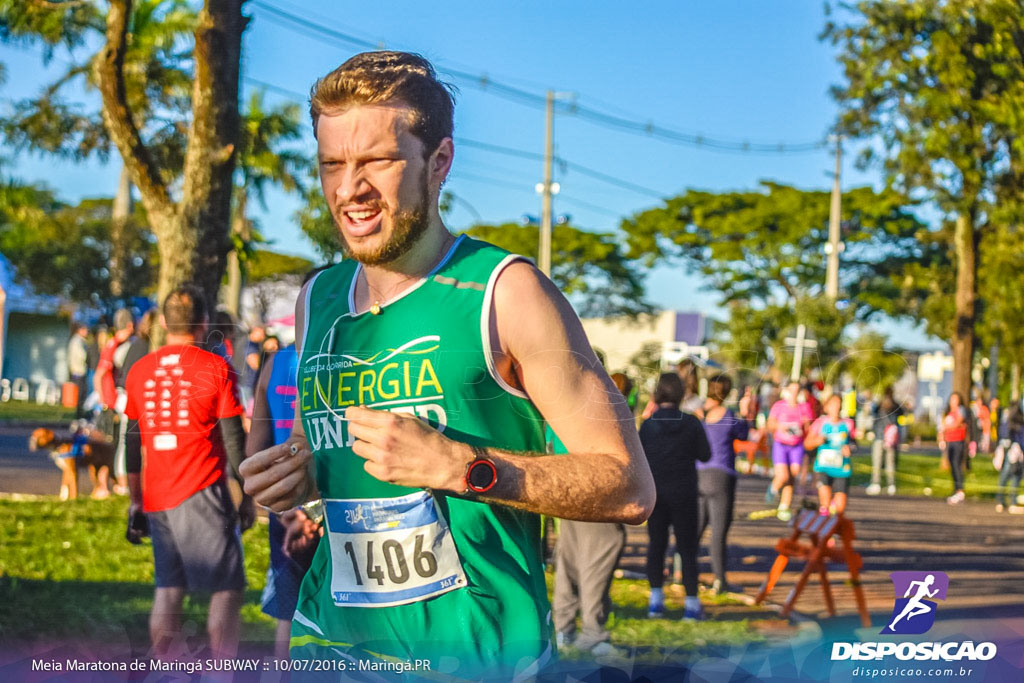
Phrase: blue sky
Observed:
(740, 71)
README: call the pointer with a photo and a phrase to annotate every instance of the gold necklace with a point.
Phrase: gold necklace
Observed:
(377, 307)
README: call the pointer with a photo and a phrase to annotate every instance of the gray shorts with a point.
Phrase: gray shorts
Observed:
(197, 545)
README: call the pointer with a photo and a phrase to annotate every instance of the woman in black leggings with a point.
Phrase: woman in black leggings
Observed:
(716, 478)
(673, 442)
(953, 438)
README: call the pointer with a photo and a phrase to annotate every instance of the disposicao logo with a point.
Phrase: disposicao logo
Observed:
(914, 612)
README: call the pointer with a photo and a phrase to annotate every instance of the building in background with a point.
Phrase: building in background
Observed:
(934, 384)
(33, 334)
(676, 335)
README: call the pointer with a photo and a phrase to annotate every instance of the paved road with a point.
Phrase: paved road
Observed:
(22, 471)
(981, 551)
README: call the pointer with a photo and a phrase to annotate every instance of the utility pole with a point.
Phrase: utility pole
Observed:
(834, 246)
(544, 251)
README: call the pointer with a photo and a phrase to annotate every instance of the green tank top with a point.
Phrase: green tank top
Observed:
(478, 598)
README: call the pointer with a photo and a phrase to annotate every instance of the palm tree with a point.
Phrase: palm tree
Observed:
(157, 83)
(265, 159)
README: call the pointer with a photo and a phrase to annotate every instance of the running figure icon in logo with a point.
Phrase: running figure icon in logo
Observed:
(914, 613)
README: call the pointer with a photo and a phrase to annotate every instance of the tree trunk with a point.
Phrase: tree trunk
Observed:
(1015, 383)
(966, 241)
(120, 225)
(236, 278)
(192, 233)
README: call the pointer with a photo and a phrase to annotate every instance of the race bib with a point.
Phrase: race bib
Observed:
(793, 429)
(390, 551)
(830, 458)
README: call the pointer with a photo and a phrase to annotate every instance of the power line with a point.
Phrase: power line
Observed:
(508, 151)
(485, 83)
(561, 161)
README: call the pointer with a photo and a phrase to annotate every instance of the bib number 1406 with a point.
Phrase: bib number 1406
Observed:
(393, 556)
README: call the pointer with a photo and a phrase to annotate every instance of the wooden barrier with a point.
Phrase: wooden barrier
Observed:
(816, 553)
(750, 449)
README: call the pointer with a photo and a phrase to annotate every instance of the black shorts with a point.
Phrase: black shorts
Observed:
(837, 484)
(197, 545)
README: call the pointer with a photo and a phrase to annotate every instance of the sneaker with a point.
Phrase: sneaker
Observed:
(874, 490)
(693, 614)
(771, 495)
(956, 498)
(784, 514)
(1016, 509)
(999, 507)
(656, 610)
(891, 490)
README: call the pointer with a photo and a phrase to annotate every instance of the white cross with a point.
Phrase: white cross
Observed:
(799, 342)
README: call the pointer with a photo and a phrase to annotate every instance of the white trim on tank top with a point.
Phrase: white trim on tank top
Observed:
(485, 325)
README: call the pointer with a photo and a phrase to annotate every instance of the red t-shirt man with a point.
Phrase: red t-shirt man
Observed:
(178, 394)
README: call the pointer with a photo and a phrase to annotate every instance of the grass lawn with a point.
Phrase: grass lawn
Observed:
(916, 473)
(32, 412)
(654, 638)
(66, 572)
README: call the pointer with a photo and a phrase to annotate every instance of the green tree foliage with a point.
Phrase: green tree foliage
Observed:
(589, 267)
(939, 85)
(267, 158)
(768, 246)
(763, 253)
(58, 120)
(266, 264)
(315, 221)
(64, 250)
(870, 364)
(170, 106)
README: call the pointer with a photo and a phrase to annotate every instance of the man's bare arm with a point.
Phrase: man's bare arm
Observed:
(604, 477)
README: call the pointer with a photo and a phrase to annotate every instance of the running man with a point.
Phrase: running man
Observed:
(914, 606)
(428, 367)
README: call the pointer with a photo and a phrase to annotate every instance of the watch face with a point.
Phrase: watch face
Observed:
(481, 476)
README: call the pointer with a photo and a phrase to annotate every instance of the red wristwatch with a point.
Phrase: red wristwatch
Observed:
(481, 473)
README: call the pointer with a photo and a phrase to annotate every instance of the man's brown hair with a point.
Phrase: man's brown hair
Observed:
(389, 77)
(184, 310)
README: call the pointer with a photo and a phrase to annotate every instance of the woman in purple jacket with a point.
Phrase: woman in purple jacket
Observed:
(716, 478)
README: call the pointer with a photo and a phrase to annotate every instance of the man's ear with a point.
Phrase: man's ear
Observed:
(163, 321)
(440, 162)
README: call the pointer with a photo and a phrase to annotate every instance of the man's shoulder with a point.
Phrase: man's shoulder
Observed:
(199, 356)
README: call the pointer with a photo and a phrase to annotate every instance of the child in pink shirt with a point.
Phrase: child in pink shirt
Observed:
(787, 421)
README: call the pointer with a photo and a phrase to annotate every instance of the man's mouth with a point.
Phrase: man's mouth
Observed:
(361, 222)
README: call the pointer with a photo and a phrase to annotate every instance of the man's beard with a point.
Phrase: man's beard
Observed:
(407, 226)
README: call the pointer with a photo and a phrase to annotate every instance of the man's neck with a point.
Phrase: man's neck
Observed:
(179, 339)
(414, 264)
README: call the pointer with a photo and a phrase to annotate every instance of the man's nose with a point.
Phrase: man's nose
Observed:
(353, 186)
